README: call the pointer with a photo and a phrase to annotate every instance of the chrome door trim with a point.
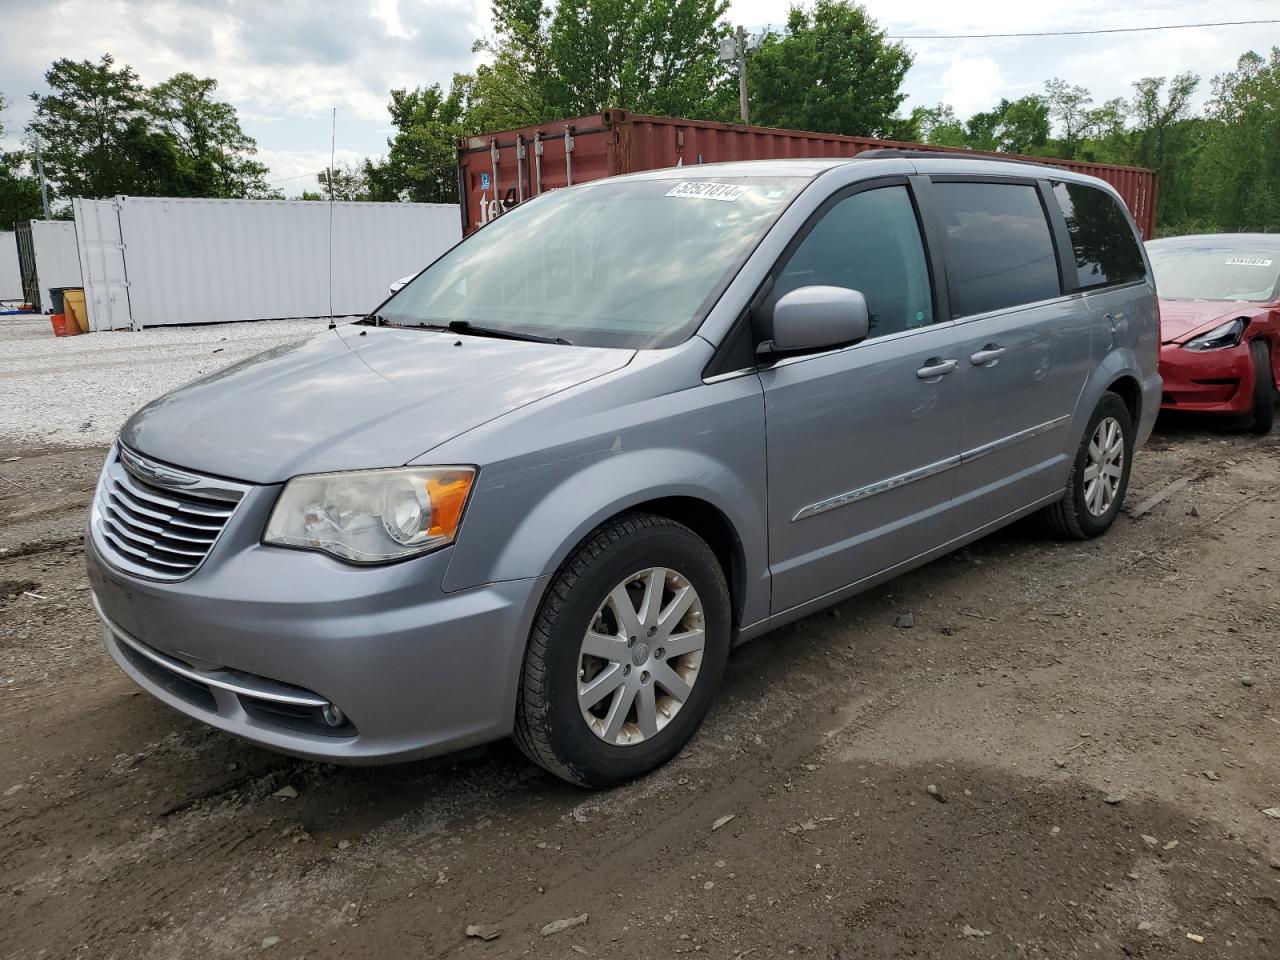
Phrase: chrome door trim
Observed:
(880, 486)
(1040, 428)
(929, 470)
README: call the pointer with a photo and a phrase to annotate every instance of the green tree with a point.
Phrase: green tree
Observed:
(584, 56)
(1240, 167)
(516, 88)
(214, 156)
(1069, 108)
(1166, 138)
(421, 163)
(938, 126)
(95, 133)
(19, 190)
(1106, 135)
(350, 182)
(650, 56)
(1012, 126)
(831, 70)
(981, 131)
(1024, 124)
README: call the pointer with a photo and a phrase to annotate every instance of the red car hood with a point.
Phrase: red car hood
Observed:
(1179, 319)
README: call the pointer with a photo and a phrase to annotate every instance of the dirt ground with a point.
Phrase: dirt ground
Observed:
(1100, 724)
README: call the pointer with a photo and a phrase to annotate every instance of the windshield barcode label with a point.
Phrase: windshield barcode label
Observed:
(708, 191)
(1247, 262)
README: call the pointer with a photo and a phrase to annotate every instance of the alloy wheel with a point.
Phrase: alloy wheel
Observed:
(640, 656)
(1104, 467)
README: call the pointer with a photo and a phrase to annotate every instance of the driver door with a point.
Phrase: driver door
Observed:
(862, 441)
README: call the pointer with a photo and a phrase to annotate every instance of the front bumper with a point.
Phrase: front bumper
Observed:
(261, 639)
(1210, 381)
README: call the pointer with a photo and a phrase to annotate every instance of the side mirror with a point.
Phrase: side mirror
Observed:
(813, 318)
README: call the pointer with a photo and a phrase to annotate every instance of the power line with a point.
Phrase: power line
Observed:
(297, 177)
(1076, 33)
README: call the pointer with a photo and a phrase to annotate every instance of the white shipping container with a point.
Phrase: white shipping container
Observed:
(56, 257)
(211, 261)
(10, 275)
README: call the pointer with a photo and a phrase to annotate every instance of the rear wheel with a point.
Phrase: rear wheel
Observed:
(1263, 414)
(626, 653)
(1099, 475)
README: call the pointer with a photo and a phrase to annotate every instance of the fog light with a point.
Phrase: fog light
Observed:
(332, 715)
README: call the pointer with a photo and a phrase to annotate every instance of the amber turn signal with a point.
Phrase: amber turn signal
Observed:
(448, 494)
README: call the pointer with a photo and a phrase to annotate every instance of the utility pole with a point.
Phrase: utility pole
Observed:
(44, 188)
(742, 73)
(333, 143)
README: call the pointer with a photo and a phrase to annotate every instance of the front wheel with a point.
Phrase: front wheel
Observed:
(1099, 475)
(626, 653)
(1263, 414)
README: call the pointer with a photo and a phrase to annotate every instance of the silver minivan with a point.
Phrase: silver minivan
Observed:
(548, 485)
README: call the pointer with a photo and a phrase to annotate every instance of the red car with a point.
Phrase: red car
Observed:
(1220, 324)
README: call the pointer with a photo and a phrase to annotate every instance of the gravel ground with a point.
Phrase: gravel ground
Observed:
(77, 391)
(1100, 723)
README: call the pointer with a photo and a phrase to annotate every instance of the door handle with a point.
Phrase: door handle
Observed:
(987, 356)
(936, 367)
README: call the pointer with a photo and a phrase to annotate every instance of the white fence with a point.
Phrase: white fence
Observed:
(153, 261)
(10, 275)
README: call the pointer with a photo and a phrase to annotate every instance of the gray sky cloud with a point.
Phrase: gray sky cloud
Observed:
(286, 63)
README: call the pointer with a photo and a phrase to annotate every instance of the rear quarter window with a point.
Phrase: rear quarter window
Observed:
(1105, 248)
(999, 249)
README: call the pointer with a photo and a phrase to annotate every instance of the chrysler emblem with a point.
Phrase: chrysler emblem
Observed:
(148, 471)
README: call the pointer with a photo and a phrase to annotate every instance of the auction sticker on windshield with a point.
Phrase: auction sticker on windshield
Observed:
(708, 191)
(1247, 262)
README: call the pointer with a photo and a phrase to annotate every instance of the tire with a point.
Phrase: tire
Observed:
(551, 727)
(1263, 414)
(1072, 516)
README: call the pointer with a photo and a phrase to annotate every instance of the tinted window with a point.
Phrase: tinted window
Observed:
(1105, 248)
(868, 242)
(999, 250)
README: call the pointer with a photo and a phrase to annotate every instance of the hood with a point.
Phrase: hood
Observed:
(1180, 319)
(352, 398)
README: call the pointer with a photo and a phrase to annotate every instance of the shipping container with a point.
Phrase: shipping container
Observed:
(47, 258)
(498, 170)
(152, 261)
(10, 275)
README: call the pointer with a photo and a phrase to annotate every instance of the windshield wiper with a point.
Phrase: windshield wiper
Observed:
(466, 326)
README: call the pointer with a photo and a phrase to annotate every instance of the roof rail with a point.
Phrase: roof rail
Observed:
(879, 153)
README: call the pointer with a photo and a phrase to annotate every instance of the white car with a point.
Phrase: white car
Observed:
(395, 287)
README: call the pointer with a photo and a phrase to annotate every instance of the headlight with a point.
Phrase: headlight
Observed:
(1219, 338)
(372, 516)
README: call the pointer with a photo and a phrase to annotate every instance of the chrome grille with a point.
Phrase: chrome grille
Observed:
(157, 521)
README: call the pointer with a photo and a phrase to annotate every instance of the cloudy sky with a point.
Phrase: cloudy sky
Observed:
(286, 63)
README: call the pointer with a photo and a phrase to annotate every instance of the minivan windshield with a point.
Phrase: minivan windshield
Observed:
(617, 263)
(1205, 270)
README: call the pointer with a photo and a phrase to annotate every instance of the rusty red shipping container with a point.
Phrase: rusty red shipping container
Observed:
(498, 170)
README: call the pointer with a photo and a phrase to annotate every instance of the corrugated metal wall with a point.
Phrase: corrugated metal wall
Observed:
(211, 261)
(10, 276)
(496, 170)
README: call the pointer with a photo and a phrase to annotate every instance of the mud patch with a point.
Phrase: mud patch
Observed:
(9, 589)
